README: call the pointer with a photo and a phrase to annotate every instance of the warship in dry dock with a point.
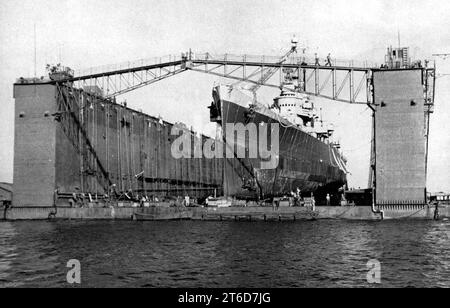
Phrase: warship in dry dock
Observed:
(307, 160)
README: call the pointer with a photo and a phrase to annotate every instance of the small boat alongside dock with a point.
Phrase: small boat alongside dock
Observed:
(254, 213)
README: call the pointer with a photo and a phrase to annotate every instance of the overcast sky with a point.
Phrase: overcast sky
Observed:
(83, 33)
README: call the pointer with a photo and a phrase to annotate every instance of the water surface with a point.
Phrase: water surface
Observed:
(225, 254)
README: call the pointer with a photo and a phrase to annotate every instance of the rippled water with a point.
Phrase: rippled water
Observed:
(225, 254)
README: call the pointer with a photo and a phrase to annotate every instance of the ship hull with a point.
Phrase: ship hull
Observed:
(304, 162)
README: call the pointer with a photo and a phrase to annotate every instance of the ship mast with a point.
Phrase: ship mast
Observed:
(265, 76)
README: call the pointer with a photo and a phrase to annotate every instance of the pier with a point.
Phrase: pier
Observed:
(242, 214)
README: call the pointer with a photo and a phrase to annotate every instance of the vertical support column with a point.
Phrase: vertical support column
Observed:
(333, 80)
(96, 176)
(107, 116)
(352, 87)
(80, 141)
(119, 149)
(244, 68)
(225, 66)
(316, 81)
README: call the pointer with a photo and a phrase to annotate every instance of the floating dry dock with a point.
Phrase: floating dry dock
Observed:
(75, 145)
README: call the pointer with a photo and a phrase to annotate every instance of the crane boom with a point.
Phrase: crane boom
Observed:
(272, 70)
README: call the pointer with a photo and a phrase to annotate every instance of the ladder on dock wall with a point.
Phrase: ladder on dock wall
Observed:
(68, 115)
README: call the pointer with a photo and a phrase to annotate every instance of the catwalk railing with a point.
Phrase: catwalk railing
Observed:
(340, 80)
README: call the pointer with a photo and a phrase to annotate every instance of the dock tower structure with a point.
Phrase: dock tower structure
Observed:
(403, 98)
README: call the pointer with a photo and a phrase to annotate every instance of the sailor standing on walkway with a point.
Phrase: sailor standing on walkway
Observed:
(328, 62)
(317, 59)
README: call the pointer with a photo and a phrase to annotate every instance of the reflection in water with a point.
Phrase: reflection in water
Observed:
(7, 252)
(437, 255)
(225, 254)
(32, 259)
(406, 250)
(350, 250)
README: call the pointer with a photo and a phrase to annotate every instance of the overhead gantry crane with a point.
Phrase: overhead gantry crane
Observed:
(334, 82)
(344, 81)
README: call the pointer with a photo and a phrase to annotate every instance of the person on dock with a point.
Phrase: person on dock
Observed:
(298, 197)
(328, 61)
(313, 202)
(113, 191)
(55, 196)
(187, 201)
(142, 201)
(328, 200)
(317, 60)
(343, 200)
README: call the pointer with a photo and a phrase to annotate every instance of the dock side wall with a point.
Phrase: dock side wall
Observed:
(34, 146)
(70, 141)
(400, 136)
(253, 213)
